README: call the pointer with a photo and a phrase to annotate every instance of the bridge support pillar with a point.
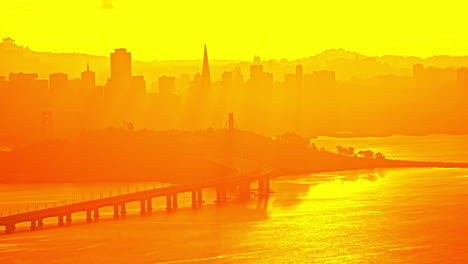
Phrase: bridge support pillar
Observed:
(142, 207)
(244, 190)
(60, 220)
(262, 202)
(223, 194)
(69, 218)
(96, 214)
(149, 204)
(40, 223)
(264, 186)
(261, 187)
(123, 211)
(194, 199)
(88, 216)
(10, 228)
(267, 185)
(168, 203)
(116, 211)
(218, 195)
(33, 225)
(174, 201)
(200, 197)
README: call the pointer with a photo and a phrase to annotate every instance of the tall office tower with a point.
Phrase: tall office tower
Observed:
(167, 85)
(299, 87)
(256, 60)
(121, 64)
(58, 82)
(256, 72)
(299, 75)
(226, 80)
(121, 69)
(225, 94)
(206, 77)
(199, 102)
(88, 79)
(299, 78)
(138, 86)
(21, 80)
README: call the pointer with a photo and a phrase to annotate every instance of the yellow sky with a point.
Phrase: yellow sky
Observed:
(157, 30)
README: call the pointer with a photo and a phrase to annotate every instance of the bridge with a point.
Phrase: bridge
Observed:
(240, 181)
(244, 172)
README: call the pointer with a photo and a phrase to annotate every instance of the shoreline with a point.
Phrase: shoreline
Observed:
(415, 164)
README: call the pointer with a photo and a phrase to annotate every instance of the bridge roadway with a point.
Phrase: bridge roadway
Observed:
(240, 180)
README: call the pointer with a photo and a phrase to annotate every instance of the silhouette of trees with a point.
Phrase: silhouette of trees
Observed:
(368, 154)
(379, 155)
(345, 151)
(129, 126)
(295, 141)
(313, 147)
(8, 40)
(350, 152)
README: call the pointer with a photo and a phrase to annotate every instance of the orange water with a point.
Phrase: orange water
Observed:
(371, 216)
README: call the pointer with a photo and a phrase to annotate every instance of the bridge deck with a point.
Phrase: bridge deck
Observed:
(125, 198)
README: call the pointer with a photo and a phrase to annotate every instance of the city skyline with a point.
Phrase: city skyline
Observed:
(299, 99)
(320, 61)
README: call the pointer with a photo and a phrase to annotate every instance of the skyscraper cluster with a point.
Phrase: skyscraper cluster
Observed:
(308, 102)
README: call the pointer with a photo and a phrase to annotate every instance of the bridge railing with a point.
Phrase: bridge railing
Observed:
(81, 197)
(103, 201)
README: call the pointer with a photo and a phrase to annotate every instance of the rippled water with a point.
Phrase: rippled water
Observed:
(379, 216)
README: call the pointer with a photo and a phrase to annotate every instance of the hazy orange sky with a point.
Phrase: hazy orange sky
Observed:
(158, 30)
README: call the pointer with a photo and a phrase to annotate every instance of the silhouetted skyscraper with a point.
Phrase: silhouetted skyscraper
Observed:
(256, 60)
(88, 79)
(14, 77)
(121, 72)
(299, 72)
(22, 80)
(122, 87)
(58, 81)
(121, 65)
(299, 78)
(167, 85)
(138, 86)
(199, 102)
(206, 77)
